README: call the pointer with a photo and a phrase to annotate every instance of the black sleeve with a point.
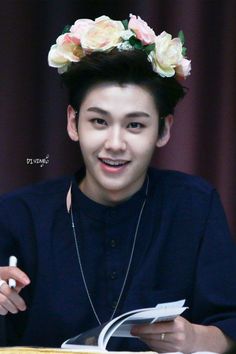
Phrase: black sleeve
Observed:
(214, 301)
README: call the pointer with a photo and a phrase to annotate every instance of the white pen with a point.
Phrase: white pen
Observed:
(12, 263)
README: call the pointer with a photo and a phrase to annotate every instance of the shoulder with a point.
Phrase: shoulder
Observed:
(182, 193)
(39, 193)
(176, 180)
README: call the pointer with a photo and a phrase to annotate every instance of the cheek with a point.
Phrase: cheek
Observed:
(90, 140)
(144, 144)
(147, 150)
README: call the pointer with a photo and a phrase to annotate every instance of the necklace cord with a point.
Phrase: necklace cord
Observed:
(81, 268)
(129, 264)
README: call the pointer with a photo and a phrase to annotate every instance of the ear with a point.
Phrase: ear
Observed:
(165, 136)
(72, 128)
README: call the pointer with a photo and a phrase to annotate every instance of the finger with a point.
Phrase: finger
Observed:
(171, 341)
(157, 346)
(7, 305)
(2, 282)
(162, 337)
(15, 273)
(155, 328)
(16, 300)
(3, 311)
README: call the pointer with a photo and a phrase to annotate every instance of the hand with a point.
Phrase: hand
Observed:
(171, 336)
(10, 300)
(182, 336)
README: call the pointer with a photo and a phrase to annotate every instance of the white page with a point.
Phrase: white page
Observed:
(143, 318)
(120, 327)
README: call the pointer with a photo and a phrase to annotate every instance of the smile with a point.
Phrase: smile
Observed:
(114, 163)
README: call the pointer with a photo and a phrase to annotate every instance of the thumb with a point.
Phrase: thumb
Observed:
(15, 273)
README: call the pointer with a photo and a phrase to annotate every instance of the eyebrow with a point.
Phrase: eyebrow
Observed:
(129, 115)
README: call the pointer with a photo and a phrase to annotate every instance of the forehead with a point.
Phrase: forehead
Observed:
(125, 97)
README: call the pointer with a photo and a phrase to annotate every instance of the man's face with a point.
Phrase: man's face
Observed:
(118, 132)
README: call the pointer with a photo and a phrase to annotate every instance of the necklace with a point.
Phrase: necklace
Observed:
(130, 258)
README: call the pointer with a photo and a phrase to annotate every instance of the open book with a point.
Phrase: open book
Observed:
(96, 339)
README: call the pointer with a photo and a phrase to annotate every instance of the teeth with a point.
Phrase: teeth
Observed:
(114, 163)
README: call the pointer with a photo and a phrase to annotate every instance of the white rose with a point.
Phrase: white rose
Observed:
(65, 50)
(104, 35)
(55, 58)
(167, 55)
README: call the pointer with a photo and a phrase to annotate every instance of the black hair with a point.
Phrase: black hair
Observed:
(122, 67)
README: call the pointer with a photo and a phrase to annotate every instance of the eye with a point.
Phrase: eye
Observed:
(135, 125)
(98, 122)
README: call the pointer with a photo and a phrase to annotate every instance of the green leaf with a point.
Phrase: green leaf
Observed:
(181, 36)
(149, 48)
(184, 51)
(138, 45)
(66, 29)
(125, 23)
(135, 43)
(132, 40)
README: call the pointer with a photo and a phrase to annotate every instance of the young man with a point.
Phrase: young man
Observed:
(118, 235)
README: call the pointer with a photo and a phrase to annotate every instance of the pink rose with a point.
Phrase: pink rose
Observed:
(143, 32)
(80, 27)
(66, 39)
(184, 68)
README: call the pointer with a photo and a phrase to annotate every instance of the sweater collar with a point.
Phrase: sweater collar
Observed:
(101, 212)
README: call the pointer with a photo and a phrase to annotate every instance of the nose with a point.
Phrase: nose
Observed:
(115, 140)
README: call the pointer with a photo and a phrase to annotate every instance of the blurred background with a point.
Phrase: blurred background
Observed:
(33, 102)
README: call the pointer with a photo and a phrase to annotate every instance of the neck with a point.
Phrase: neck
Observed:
(109, 197)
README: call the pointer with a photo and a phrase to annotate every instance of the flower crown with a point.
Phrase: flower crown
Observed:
(167, 55)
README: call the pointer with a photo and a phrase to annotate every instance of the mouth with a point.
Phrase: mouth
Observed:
(113, 163)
